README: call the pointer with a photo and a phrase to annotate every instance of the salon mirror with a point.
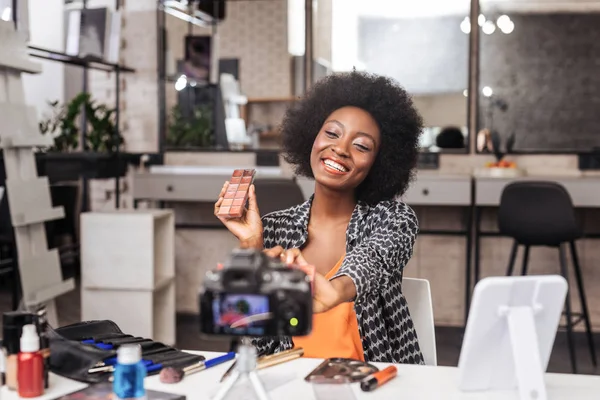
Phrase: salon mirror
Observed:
(424, 45)
(538, 77)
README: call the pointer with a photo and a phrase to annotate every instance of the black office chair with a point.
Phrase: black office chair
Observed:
(542, 214)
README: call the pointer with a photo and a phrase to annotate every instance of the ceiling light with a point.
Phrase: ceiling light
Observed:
(6, 14)
(487, 91)
(489, 27)
(465, 25)
(181, 83)
(466, 93)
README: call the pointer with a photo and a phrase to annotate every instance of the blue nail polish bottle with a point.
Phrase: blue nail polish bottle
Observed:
(129, 373)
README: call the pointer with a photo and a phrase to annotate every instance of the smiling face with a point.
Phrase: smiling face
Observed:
(345, 149)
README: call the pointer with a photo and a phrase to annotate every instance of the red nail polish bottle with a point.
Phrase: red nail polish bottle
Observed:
(30, 370)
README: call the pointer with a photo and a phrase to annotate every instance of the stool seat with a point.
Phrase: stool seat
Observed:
(540, 213)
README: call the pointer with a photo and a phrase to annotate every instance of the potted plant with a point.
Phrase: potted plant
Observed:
(65, 160)
(191, 131)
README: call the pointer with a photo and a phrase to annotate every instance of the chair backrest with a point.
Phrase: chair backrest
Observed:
(537, 213)
(277, 194)
(418, 296)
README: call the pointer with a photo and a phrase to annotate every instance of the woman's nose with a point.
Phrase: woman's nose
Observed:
(341, 148)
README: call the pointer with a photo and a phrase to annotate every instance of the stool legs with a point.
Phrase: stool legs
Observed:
(511, 260)
(570, 340)
(525, 261)
(582, 299)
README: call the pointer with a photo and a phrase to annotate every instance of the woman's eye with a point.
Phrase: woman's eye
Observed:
(362, 147)
(331, 134)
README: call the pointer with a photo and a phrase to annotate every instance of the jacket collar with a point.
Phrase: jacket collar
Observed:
(301, 216)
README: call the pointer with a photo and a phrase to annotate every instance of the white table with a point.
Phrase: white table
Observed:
(412, 382)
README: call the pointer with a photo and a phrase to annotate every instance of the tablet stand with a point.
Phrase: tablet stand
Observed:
(525, 351)
(245, 367)
(510, 333)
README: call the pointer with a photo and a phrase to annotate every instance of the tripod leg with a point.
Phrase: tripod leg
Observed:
(259, 389)
(227, 386)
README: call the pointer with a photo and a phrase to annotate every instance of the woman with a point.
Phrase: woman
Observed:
(357, 135)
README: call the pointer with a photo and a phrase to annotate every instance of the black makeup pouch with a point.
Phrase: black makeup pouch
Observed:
(79, 351)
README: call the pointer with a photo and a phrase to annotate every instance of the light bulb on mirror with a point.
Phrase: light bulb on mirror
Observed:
(489, 27)
(503, 19)
(181, 83)
(6, 14)
(507, 27)
(481, 19)
(465, 25)
(487, 91)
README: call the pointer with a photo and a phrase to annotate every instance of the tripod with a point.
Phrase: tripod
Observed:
(245, 367)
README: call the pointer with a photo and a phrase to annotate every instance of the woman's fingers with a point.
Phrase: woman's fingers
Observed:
(252, 204)
(291, 255)
(275, 251)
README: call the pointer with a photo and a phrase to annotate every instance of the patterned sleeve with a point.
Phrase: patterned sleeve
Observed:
(370, 264)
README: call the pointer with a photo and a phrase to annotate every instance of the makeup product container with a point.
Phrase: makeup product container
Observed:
(12, 329)
(42, 324)
(236, 196)
(30, 370)
(130, 371)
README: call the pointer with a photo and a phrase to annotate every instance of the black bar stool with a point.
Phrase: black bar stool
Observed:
(542, 214)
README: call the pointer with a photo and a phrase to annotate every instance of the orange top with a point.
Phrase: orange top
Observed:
(335, 332)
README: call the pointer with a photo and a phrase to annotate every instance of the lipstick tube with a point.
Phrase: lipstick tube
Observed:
(377, 379)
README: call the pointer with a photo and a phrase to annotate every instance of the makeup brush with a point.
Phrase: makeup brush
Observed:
(175, 375)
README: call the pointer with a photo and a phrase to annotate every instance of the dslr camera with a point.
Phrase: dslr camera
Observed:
(256, 295)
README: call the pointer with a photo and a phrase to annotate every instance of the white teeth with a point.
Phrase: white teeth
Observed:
(335, 165)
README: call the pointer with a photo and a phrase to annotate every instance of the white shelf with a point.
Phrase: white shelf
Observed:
(129, 249)
(149, 314)
(128, 271)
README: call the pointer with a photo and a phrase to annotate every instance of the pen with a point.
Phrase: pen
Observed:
(378, 378)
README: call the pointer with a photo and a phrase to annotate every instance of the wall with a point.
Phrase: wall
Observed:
(547, 72)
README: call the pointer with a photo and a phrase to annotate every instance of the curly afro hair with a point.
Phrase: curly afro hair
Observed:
(390, 106)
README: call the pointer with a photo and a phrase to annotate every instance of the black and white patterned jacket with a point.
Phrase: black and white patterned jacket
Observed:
(379, 243)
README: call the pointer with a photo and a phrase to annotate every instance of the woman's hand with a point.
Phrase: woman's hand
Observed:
(326, 294)
(248, 229)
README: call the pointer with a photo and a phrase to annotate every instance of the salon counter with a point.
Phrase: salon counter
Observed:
(456, 214)
(287, 382)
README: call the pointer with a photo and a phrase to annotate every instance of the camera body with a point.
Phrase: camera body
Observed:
(255, 295)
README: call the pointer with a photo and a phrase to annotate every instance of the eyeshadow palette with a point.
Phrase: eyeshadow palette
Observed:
(236, 196)
(340, 370)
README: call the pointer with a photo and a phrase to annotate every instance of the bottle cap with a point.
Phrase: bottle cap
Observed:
(12, 326)
(129, 354)
(30, 341)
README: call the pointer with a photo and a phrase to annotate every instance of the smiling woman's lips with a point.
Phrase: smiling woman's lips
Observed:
(332, 170)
